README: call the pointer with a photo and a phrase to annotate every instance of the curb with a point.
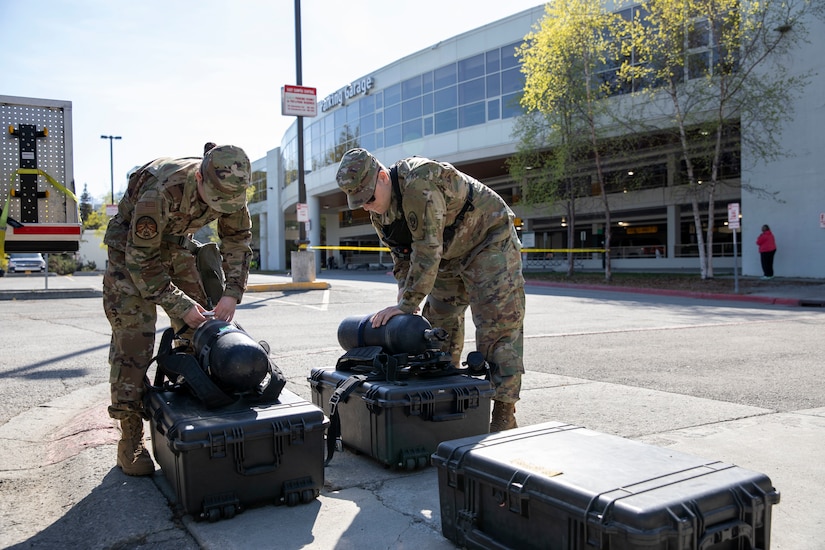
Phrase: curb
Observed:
(683, 293)
(49, 294)
(274, 287)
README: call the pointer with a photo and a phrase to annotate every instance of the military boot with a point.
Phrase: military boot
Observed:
(504, 416)
(132, 456)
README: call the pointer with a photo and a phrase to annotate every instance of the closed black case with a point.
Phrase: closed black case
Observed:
(557, 486)
(219, 461)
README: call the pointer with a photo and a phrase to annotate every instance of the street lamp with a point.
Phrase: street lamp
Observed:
(111, 163)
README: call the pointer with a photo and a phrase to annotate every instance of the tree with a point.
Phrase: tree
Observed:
(715, 63)
(560, 61)
(97, 219)
(86, 207)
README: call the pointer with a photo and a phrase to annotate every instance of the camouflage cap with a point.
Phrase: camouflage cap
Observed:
(356, 176)
(226, 170)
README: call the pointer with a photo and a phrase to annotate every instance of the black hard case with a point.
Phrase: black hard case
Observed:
(557, 486)
(402, 423)
(222, 460)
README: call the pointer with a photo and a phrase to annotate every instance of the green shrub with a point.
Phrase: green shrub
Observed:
(63, 264)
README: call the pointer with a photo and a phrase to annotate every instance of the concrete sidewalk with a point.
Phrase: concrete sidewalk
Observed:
(365, 505)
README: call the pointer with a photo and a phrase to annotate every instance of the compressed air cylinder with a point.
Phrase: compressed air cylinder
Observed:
(402, 334)
(236, 362)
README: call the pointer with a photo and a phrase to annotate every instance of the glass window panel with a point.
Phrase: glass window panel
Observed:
(367, 124)
(379, 140)
(493, 58)
(379, 100)
(427, 82)
(494, 85)
(411, 109)
(427, 104)
(698, 64)
(392, 115)
(428, 126)
(411, 88)
(367, 105)
(411, 130)
(470, 92)
(444, 76)
(471, 115)
(510, 106)
(379, 120)
(340, 118)
(368, 142)
(508, 56)
(353, 113)
(392, 135)
(472, 67)
(392, 95)
(446, 121)
(512, 81)
(699, 35)
(493, 110)
(445, 99)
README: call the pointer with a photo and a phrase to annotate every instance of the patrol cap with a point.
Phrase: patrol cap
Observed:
(226, 170)
(356, 176)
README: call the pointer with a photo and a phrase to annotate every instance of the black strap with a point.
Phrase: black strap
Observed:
(341, 394)
(175, 365)
(449, 232)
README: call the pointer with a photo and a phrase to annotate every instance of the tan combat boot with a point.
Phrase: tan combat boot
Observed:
(132, 456)
(504, 416)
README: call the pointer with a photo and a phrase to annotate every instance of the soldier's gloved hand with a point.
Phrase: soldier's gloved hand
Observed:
(195, 316)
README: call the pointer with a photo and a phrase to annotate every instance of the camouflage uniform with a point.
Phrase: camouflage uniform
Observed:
(480, 266)
(149, 266)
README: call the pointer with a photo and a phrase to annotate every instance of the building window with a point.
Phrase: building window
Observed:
(469, 92)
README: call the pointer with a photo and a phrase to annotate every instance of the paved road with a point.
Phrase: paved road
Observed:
(734, 381)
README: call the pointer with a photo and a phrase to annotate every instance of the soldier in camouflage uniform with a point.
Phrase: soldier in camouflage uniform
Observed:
(453, 242)
(149, 265)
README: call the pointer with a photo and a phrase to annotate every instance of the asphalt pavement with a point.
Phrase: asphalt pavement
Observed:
(395, 508)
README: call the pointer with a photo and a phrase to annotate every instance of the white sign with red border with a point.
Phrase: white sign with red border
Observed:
(299, 101)
(733, 215)
(302, 209)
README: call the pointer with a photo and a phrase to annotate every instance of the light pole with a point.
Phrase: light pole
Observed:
(111, 163)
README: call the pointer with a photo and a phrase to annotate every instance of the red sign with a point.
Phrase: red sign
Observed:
(298, 101)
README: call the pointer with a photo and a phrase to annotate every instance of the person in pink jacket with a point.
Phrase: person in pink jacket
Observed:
(767, 250)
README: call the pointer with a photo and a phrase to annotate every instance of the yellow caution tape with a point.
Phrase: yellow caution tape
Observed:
(4, 216)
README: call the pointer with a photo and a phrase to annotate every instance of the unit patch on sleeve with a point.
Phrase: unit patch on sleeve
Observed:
(146, 228)
(412, 221)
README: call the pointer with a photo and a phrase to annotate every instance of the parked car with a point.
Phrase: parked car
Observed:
(26, 261)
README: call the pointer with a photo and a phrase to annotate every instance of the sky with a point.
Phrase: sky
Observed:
(168, 76)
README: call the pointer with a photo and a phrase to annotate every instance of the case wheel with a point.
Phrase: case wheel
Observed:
(307, 495)
(229, 511)
(292, 499)
(213, 515)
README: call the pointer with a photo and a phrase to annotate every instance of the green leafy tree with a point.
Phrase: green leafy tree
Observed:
(564, 100)
(97, 219)
(712, 69)
(86, 207)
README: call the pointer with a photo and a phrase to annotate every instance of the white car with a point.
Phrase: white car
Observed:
(26, 261)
